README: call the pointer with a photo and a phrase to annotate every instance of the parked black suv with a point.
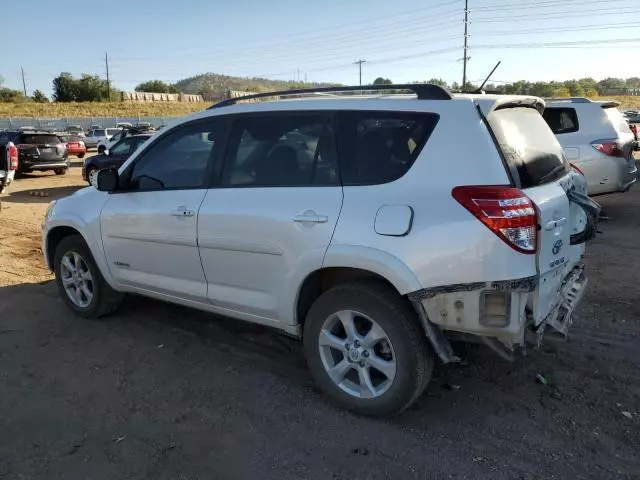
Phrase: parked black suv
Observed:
(38, 151)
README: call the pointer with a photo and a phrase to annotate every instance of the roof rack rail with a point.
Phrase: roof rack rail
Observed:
(424, 91)
(569, 99)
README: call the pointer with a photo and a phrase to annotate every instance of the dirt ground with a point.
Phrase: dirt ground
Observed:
(164, 392)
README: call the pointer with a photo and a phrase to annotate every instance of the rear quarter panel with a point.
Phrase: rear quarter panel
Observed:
(446, 244)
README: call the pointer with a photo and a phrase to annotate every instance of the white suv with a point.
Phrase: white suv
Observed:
(597, 140)
(365, 225)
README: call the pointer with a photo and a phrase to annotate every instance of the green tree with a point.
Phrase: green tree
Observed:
(64, 88)
(438, 81)
(40, 97)
(88, 88)
(382, 81)
(10, 95)
(560, 92)
(156, 86)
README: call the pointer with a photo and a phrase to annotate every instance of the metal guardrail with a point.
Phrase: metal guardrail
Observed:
(61, 124)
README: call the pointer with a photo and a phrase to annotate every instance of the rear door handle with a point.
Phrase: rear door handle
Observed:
(182, 212)
(551, 224)
(310, 217)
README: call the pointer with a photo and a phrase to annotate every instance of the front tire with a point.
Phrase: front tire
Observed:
(81, 155)
(101, 149)
(365, 348)
(60, 171)
(80, 282)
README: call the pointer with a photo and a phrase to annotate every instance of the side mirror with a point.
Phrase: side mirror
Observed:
(107, 180)
(106, 152)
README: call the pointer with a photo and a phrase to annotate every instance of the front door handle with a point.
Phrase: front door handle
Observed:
(310, 217)
(182, 212)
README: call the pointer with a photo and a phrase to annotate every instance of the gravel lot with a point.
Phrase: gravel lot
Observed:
(164, 392)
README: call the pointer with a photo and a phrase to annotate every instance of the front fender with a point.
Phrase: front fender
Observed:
(377, 261)
(71, 220)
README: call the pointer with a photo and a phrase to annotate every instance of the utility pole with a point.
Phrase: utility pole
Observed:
(24, 84)
(106, 63)
(466, 48)
(359, 63)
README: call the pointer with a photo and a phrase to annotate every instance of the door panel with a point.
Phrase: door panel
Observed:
(149, 228)
(148, 246)
(273, 219)
(253, 243)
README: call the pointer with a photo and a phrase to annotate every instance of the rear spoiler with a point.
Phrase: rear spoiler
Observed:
(609, 104)
(526, 102)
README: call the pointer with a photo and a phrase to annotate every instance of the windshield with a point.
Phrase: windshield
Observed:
(617, 120)
(41, 139)
(528, 145)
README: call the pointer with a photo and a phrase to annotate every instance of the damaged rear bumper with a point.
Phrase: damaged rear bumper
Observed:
(494, 311)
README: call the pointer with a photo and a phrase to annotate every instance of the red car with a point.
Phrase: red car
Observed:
(75, 145)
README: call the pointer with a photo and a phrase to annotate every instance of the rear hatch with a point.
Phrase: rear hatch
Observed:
(537, 166)
(41, 148)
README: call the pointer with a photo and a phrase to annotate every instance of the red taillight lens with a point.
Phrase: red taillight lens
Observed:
(506, 211)
(577, 169)
(608, 148)
(12, 154)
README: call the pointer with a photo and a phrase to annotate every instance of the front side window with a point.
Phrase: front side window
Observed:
(124, 147)
(380, 147)
(179, 159)
(282, 151)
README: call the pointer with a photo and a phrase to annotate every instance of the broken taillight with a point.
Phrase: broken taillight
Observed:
(573, 165)
(505, 210)
(608, 147)
(12, 156)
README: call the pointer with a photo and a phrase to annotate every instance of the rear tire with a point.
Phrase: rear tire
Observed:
(101, 149)
(76, 272)
(81, 155)
(403, 351)
(60, 171)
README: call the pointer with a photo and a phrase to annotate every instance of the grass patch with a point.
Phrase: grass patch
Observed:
(99, 109)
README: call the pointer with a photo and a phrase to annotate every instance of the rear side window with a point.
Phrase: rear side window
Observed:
(380, 147)
(282, 151)
(528, 145)
(561, 120)
(41, 139)
(616, 119)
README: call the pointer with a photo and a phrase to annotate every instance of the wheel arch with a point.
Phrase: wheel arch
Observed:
(71, 226)
(344, 264)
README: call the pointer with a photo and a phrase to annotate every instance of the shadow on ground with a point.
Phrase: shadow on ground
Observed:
(40, 195)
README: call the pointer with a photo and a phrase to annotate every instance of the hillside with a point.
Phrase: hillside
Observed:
(213, 85)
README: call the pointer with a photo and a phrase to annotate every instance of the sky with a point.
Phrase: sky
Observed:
(404, 40)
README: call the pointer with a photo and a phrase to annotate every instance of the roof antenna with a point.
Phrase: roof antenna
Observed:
(479, 90)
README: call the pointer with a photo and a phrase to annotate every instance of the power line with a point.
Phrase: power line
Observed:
(555, 15)
(542, 4)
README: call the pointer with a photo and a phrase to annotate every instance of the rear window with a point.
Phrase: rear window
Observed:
(616, 119)
(380, 147)
(561, 120)
(528, 145)
(40, 139)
